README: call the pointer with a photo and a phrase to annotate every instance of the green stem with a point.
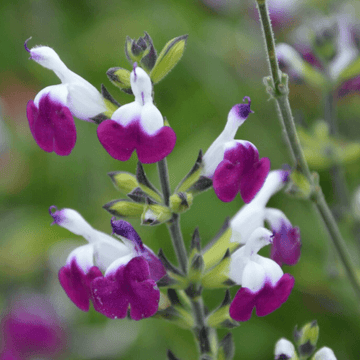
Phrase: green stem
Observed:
(174, 223)
(280, 94)
(178, 242)
(201, 331)
(164, 180)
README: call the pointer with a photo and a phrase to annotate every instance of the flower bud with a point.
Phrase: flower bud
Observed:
(285, 350)
(180, 202)
(306, 338)
(155, 214)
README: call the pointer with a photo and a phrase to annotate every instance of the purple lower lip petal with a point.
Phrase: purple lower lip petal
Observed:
(120, 141)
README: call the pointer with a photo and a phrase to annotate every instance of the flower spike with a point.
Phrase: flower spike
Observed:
(130, 269)
(234, 165)
(51, 113)
(137, 126)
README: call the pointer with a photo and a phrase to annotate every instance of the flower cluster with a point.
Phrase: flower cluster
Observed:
(121, 277)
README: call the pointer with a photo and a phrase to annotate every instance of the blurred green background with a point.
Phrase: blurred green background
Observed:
(224, 61)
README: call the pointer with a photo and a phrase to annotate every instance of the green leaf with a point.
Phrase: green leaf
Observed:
(124, 208)
(351, 71)
(216, 248)
(121, 78)
(168, 58)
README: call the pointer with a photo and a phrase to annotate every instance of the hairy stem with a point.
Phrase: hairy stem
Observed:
(280, 94)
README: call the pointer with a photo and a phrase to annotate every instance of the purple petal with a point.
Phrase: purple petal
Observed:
(240, 171)
(126, 230)
(286, 246)
(120, 141)
(241, 111)
(266, 300)
(271, 297)
(253, 180)
(130, 286)
(242, 305)
(52, 126)
(157, 269)
(76, 283)
(226, 180)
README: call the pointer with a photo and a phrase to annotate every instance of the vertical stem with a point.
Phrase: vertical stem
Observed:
(280, 94)
(178, 242)
(174, 226)
(201, 330)
(164, 180)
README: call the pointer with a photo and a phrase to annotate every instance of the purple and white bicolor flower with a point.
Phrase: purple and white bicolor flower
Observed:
(286, 244)
(264, 285)
(137, 126)
(234, 165)
(285, 350)
(324, 353)
(51, 113)
(130, 269)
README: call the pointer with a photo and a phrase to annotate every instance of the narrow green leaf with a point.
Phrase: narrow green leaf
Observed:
(168, 58)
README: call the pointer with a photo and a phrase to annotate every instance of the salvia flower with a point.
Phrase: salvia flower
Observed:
(51, 113)
(286, 242)
(264, 285)
(324, 353)
(30, 328)
(130, 269)
(137, 126)
(285, 350)
(234, 165)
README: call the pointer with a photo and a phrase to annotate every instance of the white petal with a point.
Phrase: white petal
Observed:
(324, 353)
(118, 263)
(151, 118)
(272, 269)
(141, 86)
(274, 182)
(237, 265)
(74, 222)
(214, 155)
(106, 253)
(125, 114)
(276, 218)
(57, 93)
(243, 224)
(258, 239)
(284, 347)
(84, 257)
(48, 58)
(84, 101)
(254, 276)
